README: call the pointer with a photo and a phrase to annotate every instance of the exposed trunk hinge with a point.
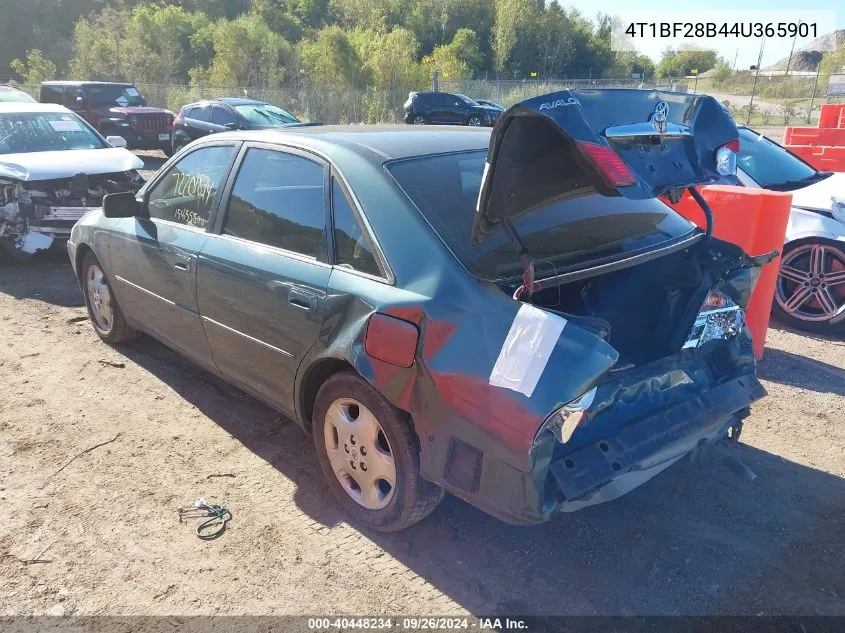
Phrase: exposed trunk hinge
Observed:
(529, 284)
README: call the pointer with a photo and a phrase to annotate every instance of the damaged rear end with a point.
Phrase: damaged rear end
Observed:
(572, 181)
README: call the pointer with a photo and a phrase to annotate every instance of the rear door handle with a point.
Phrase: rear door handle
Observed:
(301, 299)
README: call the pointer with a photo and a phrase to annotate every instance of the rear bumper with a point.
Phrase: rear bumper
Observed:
(610, 464)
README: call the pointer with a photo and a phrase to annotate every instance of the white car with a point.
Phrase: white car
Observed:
(810, 290)
(54, 167)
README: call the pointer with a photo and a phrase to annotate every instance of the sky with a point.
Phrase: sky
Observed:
(744, 51)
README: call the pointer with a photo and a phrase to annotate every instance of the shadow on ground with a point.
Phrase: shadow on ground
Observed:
(691, 541)
(47, 276)
(802, 372)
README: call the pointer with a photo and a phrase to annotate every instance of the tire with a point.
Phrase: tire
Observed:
(178, 144)
(419, 119)
(410, 498)
(805, 298)
(113, 329)
(167, 150)
(474, 121)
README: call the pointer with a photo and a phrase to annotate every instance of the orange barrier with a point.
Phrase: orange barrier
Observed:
(822, 158)
(832, 115)
(756, 220)
(814, 136)
(823, 146)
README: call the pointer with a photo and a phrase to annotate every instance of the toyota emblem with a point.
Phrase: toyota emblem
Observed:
(659, 117)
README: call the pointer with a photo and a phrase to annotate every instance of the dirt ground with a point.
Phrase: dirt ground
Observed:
(100, 535)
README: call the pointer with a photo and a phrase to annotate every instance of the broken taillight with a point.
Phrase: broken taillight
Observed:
(611, 166)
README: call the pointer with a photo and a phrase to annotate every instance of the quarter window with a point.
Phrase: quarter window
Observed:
(187, 191)
(279, 200)
(352, 248)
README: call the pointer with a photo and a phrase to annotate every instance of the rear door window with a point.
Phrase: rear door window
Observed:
(279, 199)
(201, 113)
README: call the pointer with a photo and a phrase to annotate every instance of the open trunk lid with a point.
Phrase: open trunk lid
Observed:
(618, 142)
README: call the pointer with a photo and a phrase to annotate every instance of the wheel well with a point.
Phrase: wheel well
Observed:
(314, 379)
(81, 251)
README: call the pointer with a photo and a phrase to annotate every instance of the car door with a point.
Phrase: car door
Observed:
(455, 110)
(221, 117)
(154, 260)
(198, 122)
(439, 108)
(262, 276)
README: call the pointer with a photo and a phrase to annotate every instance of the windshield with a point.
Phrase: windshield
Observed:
(769, 164)
(562, 234)
(467, 100)
(45, 132)
(103, 96)
(265, 114)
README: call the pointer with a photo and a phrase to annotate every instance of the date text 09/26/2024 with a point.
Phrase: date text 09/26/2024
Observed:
(418, 624)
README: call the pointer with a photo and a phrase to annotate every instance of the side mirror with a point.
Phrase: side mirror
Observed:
(232, 126)
(116, 141)
(120, 205)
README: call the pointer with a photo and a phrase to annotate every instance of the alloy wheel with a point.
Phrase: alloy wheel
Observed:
(474, 121)
(419, 120)
(99, 298)
(811, 282)
(359, 453)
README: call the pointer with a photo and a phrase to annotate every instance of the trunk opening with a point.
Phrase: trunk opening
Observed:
(649, 308)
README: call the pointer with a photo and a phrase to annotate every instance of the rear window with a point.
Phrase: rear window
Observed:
(559, 235)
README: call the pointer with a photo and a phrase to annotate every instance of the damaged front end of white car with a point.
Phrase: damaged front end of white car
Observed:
(35, 214)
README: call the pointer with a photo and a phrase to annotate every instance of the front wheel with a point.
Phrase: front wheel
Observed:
(810, 288)
(103, 309)
(474, 121)
(370, 455)
(419, 119)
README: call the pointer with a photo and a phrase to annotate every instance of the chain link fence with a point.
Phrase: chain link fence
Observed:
(765, 101)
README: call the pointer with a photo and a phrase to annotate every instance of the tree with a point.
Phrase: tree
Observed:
(35, 69)
(512, 28)
(679, 63)
(331, 60)
(100, 52)
(248, 53)
(278, 16)
(459, 59)
(164, 33)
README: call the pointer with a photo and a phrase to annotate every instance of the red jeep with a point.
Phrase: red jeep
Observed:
(114, 109)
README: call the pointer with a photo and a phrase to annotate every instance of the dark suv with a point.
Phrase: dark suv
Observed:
(113, 109)
(447, 109)
(227, 113)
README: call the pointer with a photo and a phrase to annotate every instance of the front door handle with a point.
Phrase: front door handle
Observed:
(183, 266)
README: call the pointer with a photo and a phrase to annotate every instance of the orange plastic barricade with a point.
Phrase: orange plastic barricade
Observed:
(756, 220)
(832, 115)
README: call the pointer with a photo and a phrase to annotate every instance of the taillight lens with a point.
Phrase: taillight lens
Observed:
(179, 118)
(611, 166)
(726, 158)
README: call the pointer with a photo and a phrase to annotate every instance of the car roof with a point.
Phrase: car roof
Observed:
(232, 101)
(23, 108)
(85, 83)
(380, 143)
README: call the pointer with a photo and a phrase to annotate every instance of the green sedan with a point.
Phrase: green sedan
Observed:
(442, 311)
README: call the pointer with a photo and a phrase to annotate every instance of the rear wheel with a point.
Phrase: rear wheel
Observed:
(103, 309)
(474, 121)
(419, 119)
(370, 455)
(810, 288)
